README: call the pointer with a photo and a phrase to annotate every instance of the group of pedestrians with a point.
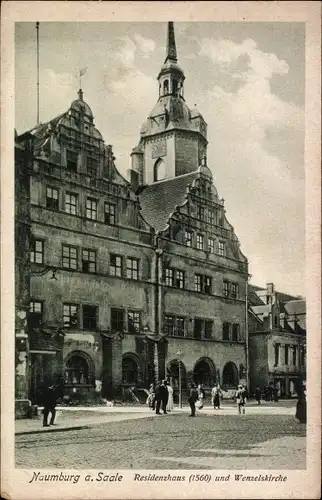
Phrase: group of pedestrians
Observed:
(161, 397)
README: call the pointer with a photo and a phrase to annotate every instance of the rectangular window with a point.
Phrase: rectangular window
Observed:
(52, 198)
(69, 257)
(226, 331)
(115, 265)
(37, 251)
(91, 166)
(179, 279)
(71, 159)
(117, 320)
(180, 327)
(91, 209)
(286, 351)
(211, 245)
(208, 329)
(35, 314)
(71, 203)
(188, 238)
(70, 316)
(89, 261)
(235, 333)
(207, 285)
(169, 325)
(90, 317)
(132, 268)
(276, 354)
(198, 282)
(200, 241)
(221, 248)
(302, 355)
(225, 288)
(109, 214)
(134, 321)
(234, 289)
(210, 216)
(294, 355)
(201, 213)
(169, 276)
(198, 328)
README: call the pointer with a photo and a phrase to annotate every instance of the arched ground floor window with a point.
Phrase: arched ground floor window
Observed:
(130, 369)
(173, 374)
(204, 372)
(78, 369)
(230, 376)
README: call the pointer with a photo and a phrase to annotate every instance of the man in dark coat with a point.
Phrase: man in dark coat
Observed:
(50, 401)
(193, 397)
(158, 398)
(258, 395)
(165, 396)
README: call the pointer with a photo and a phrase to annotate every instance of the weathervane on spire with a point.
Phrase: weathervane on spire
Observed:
(81, 73)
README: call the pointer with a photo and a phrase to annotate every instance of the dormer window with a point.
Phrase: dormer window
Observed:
(92, 166)
(71, 160)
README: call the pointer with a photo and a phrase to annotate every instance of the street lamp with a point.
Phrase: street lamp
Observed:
(180, 388)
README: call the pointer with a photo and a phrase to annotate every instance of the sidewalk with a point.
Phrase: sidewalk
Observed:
(82, 417)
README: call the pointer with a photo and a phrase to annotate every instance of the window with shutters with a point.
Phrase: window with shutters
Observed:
(35, 318)
(69, 260)
(70, 315)
(115, 265)
(89, 261)
(71, 203)
(37, 251)
(226, 331)
(52, 198)
(90, 317)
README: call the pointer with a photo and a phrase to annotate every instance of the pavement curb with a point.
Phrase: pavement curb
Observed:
(56, 429)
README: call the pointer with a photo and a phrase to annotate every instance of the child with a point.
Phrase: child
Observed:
(241, 399)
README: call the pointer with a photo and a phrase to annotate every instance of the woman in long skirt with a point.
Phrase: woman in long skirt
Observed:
(170, 404)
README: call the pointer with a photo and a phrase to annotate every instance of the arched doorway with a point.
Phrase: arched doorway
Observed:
(159, 170)
(204, 373)
(230, 376)
(78, 369)
(173, 374)
(130, 369)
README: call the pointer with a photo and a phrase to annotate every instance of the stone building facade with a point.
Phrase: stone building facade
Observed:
(277, 340)
(133, 280)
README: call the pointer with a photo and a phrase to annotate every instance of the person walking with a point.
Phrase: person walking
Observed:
(258, 395)
(151, 398)
(241, 399)
(201, 395)
(50, 401)
(164, 396)
(158, 398)
(215, 396)
(193, 397)
(275, 393)
(170, 404)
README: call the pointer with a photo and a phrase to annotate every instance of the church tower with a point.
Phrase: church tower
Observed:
(173, 139)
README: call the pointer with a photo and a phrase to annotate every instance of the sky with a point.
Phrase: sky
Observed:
(247, 80)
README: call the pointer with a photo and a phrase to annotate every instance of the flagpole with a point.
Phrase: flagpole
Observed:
(37, 28)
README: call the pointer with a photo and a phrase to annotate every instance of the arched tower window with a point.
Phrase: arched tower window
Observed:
(159, 170)
(166, 87)
(174, 87)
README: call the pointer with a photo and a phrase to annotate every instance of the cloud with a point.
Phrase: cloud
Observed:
(260, 178)
(145, 45)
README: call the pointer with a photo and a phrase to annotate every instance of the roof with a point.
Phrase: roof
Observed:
(295, 307)
(160, 199)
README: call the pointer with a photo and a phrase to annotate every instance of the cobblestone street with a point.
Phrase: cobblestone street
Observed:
(220, 441)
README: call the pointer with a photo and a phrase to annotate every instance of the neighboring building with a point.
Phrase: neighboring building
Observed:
(277, 339)
(130, 280)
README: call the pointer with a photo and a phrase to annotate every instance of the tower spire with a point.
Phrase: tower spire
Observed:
(171, 44)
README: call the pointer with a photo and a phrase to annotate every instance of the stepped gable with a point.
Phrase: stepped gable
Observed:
(160, 199)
